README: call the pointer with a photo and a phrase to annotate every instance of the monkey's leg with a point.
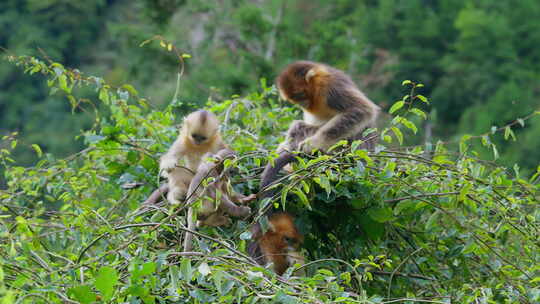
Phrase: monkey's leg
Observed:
(297, 132)
(232, 209)
(238, 198)
(341, 126)
(215, 220)
(179, 180)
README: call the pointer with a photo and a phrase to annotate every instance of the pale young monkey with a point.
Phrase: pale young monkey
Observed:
(199, 135)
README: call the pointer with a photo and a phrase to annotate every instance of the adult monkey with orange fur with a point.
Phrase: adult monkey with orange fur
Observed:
(334, 109)
(279, 246)
(199, 135)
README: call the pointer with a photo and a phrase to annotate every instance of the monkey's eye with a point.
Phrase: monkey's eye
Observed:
(288, 240)
(299, 96)
(198, 137)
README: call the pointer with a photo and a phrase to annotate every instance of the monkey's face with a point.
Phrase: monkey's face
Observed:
(282, 225)
(202, 127)
(200, 135)
(292, 240)
(293, 83)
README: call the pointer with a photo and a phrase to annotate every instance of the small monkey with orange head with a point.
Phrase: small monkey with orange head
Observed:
(279, 246)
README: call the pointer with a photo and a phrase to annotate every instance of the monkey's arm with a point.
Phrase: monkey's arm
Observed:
(341, 126)
(232, 209)
(239, 198)
(170, 159)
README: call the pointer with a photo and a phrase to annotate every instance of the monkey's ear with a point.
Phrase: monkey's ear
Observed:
(316, 71)
(312, 72)
(271, 227)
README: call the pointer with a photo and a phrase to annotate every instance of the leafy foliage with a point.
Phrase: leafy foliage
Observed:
(399, 224)
(477, 58)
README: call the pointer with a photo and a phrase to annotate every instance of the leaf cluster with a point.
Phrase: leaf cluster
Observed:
(409, 224)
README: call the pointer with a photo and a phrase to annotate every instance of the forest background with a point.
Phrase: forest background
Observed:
(444, 210)
(478, 59)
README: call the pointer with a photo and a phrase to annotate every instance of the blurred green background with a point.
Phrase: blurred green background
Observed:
(479, 59)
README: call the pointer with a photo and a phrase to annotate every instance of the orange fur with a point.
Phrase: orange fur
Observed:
(331, 102)
(280, 244)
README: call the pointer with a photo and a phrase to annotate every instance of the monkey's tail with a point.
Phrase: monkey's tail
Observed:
(270, 173)
(268, 177)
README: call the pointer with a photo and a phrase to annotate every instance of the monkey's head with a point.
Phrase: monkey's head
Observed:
(282, 226)
(201, 127)
(301, 81)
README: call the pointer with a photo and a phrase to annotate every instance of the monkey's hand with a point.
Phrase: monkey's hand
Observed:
(246, 212)
(167, 164)
(312, 143)
(248, 199)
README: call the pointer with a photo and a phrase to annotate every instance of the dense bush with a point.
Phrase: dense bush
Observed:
(399, 224)
(478, 58)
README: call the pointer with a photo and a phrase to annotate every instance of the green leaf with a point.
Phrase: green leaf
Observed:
(130, 89)
(398, 134)
(175, 276)
(419, 112)
(403, 206)
(409, 124)
(324, 183)
(104, 95)
(62, 82)
(358, 203)
(485, 140)
(37, 149)
(83, 294)
(432, 220)
(303, 198)
(422, 98)
(374, 230)
(463, 147)
(186, 270)
(396, 106)
(495, 151)
(509, 133)
(105, 281)
(469, 248)
(406, 82)
(381, 215)
(464, 191)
